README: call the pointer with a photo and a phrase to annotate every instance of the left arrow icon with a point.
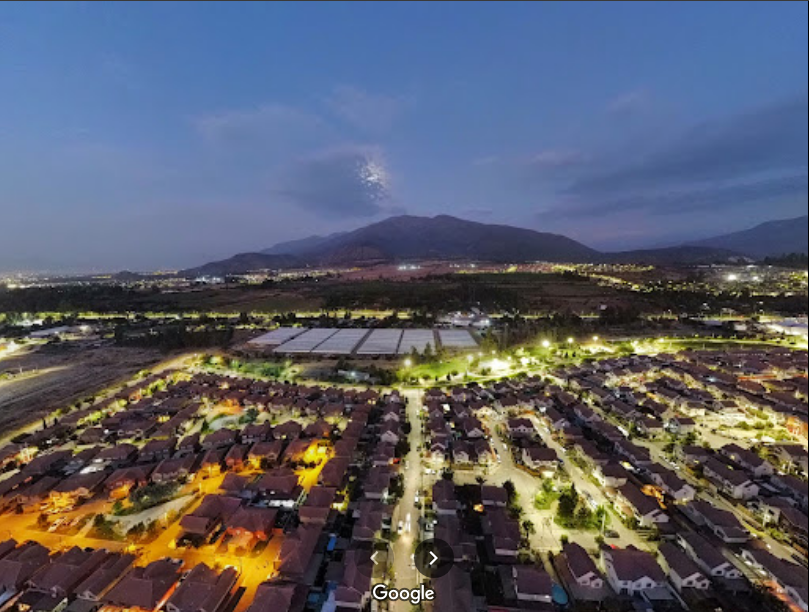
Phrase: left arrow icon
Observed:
(373, 557)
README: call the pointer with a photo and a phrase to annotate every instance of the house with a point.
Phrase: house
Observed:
(631, 571)
(81, 459)
(789, 578)
(276, 596)
(236, 456)
(612, 475)
(683, 571)
(317, 506)
(265, 453)
(221, 438)
(157, 450)
(211, 512)
(671, 484)
(296, 552)
(48, 462)
(520, 428)
(116, 456)
(203, 590)
(453, 591)
(532, 584)
(707, 557)
(445, 503)
(96, 585)
(369, 516)
(354, 590)
(19, 565)
(734, 482)
(693, 455)
(791, 457)
(793, 487)
(212, 461)
(632, 502)
(504, 533)
(288, 430)
(581, 566)
(249, 525)
(173, 470)
(280, 488)
(144, 588)
(681, 425)
(377, 482)
(74, 489)
(334, 472)
(390, 433)
(296, 450)
(492, 496)
(748, 460)
(722, 523)
(541, 459)
(122, 481)
(189, 445)
(254, 433)
(65, 572)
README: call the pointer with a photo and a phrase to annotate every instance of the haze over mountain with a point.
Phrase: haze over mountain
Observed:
(410, 238)
(769, 239)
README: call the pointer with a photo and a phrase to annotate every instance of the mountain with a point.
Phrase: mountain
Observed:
(769, 239)
(410, 238)
(685, 255)
(443, 237)
(241, 263)
(297, 247)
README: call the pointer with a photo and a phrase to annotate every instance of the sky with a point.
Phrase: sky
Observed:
(148, 136)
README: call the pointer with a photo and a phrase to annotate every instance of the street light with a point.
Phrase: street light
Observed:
(546, 343)
(408, 362)
(570, 340)
(595, 338)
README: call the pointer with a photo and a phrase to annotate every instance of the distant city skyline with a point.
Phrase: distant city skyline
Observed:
(146, 136)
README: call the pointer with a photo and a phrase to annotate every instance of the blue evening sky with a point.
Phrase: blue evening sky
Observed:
(146, 135)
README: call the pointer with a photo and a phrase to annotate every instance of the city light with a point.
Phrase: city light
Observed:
(408, 362)
(595, 338)
(570, 340)
(546, 343)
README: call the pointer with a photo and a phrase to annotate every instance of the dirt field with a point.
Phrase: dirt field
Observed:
(53, 377)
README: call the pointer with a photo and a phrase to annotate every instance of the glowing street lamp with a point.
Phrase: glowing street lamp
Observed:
(570, 340)
(595, 338)
(546, 343)
(408, 362)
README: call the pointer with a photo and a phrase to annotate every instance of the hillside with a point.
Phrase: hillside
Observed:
(770, 239)
(243, 262)
(443, 237)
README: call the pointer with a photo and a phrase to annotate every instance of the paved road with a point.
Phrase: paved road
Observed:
(403, 575)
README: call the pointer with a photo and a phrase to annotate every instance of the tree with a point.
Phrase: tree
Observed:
(511, 491)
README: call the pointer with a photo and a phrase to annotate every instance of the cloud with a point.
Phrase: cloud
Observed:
(629, 103)
(367, 111)
(724, 196)
(556, 158)
(733, 163)
(270, 123)
(348, 181)
(771, 138)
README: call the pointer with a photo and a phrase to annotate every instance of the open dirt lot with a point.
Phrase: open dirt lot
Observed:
(45, 378)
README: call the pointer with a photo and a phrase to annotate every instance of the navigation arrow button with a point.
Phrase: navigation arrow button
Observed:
(433, 558)
(373, 557)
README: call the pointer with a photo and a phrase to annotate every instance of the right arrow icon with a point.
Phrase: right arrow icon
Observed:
(433, 558)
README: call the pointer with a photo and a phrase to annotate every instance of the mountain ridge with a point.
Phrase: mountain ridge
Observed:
(769, 239)
(412, 238)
